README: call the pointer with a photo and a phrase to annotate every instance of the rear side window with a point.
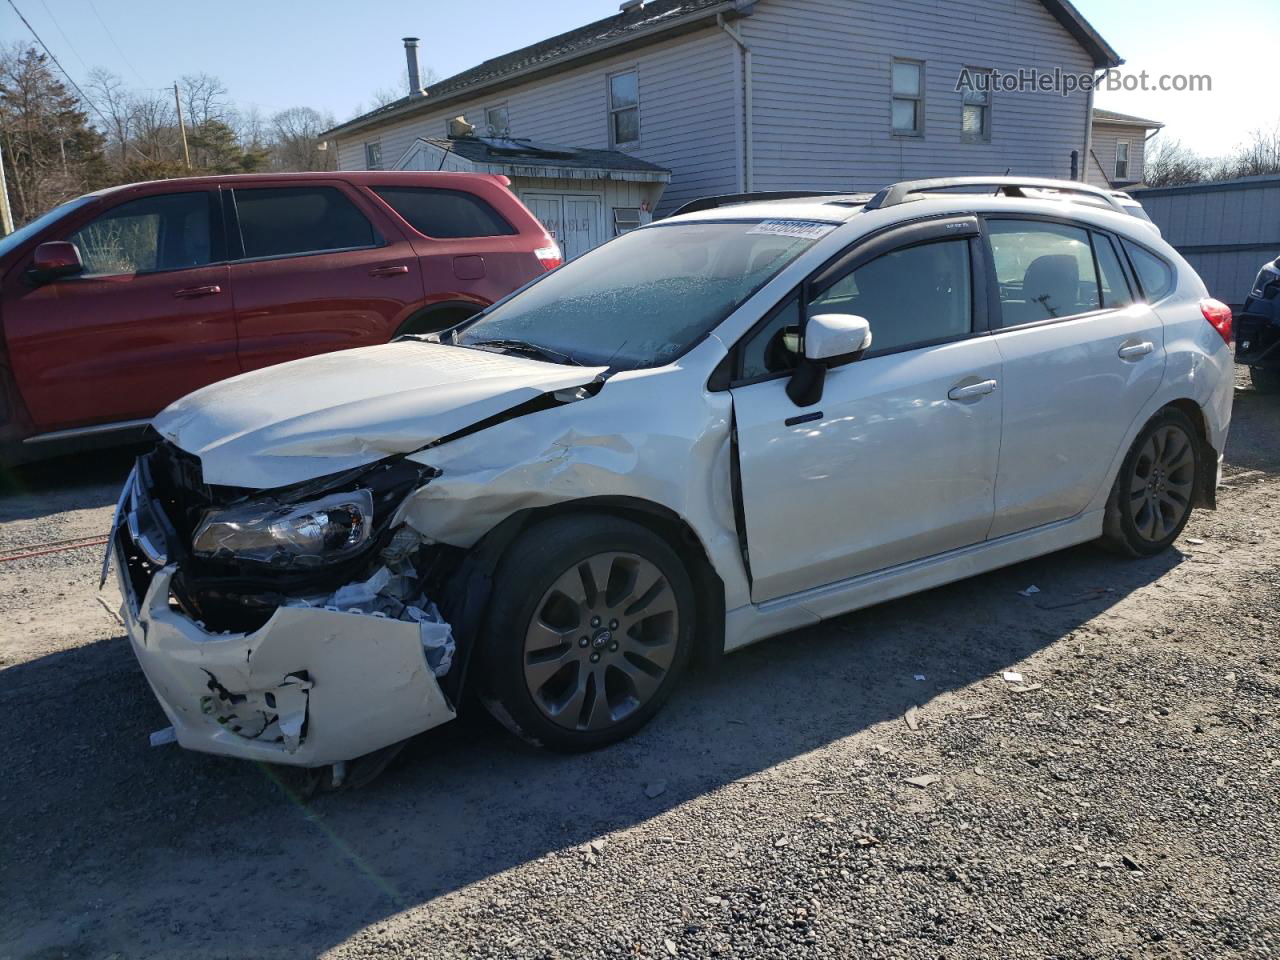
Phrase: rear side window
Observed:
(445, 214)
(169, 231)
(1155, 275)
(282, 221)
(1115, 286)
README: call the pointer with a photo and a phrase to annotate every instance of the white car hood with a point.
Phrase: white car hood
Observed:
(324, 414)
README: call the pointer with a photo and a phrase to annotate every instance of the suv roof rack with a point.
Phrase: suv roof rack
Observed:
(1009, 186)
(711, 203)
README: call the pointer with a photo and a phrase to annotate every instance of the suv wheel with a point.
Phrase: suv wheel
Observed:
(1151, 500)
(589, 630)
(1264, 380)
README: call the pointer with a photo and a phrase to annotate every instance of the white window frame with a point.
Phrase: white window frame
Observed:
(981, 99)
(918, 99)
(498, 132)
(613, 111)
(369, 147)
(1126, 161)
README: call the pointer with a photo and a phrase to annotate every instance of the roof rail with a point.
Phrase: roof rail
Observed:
(1009, 186)
(711, 203)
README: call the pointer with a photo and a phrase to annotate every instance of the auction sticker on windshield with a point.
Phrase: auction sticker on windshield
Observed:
(802, 229)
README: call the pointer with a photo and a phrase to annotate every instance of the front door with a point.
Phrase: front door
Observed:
(897, 460)
(573, 220)
(148, 320)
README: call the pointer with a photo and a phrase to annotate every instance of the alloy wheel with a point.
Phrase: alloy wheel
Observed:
(1162, 482)
(601, 641)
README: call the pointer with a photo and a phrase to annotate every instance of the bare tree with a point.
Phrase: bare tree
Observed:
(1259, 156)
(204, 98)
(115, 101)
(398, 90)
(297, 139)
(1168, 163)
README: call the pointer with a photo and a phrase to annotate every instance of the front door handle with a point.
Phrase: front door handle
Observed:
(205, 291)
(394, 271)
(972, 391)
(1135, 351)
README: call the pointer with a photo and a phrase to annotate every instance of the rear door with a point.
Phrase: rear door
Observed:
(149, 319)
(1080, 361)
(319, 268)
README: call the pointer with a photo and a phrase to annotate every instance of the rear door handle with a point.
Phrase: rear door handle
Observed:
(389, 271)
(1135, 351)
(972, 391)
(205, 291)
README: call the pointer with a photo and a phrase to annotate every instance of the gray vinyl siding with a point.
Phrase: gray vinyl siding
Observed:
(822, 91)
(687, 114)
(1102, 167)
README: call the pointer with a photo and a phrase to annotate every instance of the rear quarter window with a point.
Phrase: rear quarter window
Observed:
(446, 214)
(1155, 274)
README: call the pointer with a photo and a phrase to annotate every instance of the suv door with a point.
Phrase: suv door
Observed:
(148, 320)
(317, 269)
(1081, 358)
(897, 461)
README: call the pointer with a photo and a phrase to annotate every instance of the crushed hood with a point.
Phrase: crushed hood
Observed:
(324, 414)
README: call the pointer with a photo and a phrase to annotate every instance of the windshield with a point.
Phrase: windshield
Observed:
(645, 298)
(23, 233)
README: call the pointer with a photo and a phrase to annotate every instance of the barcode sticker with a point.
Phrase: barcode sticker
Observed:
(800, 229)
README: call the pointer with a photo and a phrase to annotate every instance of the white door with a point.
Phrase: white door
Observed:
(897, 460)
(1080, 361)
(573, 220)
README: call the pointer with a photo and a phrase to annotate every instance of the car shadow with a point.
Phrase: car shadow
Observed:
(74, 482)
(92, 812)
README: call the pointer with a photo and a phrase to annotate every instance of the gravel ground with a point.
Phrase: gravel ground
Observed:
(870, 788)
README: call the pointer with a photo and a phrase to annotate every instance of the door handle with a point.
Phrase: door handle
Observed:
(394, 271)
(1135, 351)
(205, 291)
(972, 391)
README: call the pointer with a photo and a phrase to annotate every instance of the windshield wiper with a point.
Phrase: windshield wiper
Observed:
(525, 347)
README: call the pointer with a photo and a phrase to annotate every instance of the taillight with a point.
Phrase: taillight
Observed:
(1219, 316)
(549, 256)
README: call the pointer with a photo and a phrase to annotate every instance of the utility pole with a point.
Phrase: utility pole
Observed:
(6, 215)
(182, 128)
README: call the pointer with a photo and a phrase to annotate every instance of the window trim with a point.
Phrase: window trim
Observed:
(988, 113)
(373, 144)
(487, 126)
(1094, 237)
(919, 100)
(614, 143)
(235, 244)
(219, 253)
(1128, 153)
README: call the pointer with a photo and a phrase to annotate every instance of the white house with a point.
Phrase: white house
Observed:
(735, 96)
(1118, 148)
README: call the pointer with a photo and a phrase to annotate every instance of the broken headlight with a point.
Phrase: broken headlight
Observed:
(282, 535)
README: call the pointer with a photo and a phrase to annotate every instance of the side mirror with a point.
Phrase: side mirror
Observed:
(55, 259)
(830, 339)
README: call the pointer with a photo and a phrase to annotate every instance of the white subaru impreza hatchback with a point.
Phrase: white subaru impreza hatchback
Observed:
(725, 425)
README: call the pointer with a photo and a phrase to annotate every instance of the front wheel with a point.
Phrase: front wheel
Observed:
(590, 628)
(1265, 380)
(1151, 500)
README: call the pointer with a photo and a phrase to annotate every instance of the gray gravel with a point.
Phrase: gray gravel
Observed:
(1120, 801)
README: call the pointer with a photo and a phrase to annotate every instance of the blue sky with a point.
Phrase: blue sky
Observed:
(332, 54)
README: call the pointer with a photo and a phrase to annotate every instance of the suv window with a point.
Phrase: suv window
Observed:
(911, 297)
(169, 231)
(1045, 270)
(445, 214)
(281, 221)
(1115, 286)
(1155, 275)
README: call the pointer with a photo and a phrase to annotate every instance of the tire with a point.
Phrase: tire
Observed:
(1265, 380)
(1151, 499)
(548, 619)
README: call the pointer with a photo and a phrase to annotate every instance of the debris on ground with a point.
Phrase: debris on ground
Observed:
(1031, 590)
(912, 719)
(162, 737)
(923, 782)
(1012, 676)
(655, 789)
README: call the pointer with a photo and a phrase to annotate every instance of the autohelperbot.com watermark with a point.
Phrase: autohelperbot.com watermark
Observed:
(1066, 82)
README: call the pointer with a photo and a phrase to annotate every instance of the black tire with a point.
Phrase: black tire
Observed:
(1141, 492)
(1265, 380)
(545, 556)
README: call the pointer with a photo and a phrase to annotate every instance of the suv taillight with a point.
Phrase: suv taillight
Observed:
(1219, 316)
(549, 256)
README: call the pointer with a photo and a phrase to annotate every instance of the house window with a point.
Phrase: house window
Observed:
(908, 98)
(624, 108)
(626, 219)
(1122, 159)
(975, 108)
(373, 155)
(495, 118)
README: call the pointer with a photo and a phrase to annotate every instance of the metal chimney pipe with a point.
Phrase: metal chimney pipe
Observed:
(411, 60)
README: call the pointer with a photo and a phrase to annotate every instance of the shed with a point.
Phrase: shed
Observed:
(582, 196)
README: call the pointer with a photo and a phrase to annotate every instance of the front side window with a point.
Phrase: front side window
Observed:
(911, 297)
(497, 122)
(373, 155)
(908, 98)
(1122, 159)
(645, 298)
(1045, 270)
(165, 232)
(975, 109)
(284, 221)
(445, 214)
(624, 108)
(1154, 274)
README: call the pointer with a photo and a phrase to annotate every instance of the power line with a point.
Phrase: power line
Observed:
(112, 37)
(62, 33)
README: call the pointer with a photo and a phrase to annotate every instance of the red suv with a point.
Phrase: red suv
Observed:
(117, 303)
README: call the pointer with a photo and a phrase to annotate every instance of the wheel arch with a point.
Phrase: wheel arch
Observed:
(439, 316)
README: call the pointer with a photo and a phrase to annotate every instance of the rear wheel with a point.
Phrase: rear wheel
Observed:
(589, 631)
(1264, 380)
(1151, 500)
